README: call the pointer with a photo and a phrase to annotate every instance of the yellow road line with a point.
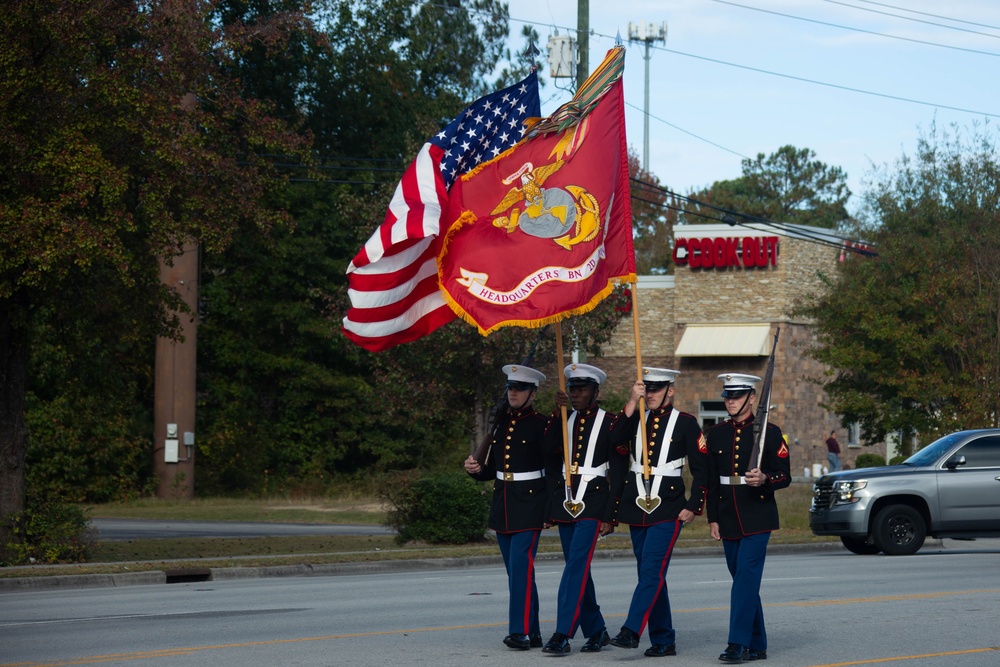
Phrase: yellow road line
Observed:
(165, 653)
(921, 656)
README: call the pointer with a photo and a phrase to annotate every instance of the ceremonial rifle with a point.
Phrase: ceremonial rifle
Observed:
(763, 407)
(500, 409)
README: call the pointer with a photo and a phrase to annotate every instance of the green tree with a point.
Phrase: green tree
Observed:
(124, 139)
(912, 336)
(654, 214)
(789, 185)
(284, 397)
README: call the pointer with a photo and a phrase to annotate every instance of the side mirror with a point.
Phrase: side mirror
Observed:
(955, 461)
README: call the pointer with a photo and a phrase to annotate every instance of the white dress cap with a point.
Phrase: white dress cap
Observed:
(583, 373)
(519, 373)
(657, 376)
(737, 384)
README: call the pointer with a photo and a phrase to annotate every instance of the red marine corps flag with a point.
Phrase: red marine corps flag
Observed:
(544, 231)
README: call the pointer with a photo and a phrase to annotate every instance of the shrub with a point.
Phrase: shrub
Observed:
(896, 460)
(440, 508)
(48, 531)
(867, 460)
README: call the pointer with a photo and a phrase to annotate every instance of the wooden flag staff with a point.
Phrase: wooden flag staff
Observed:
(647, 504)
(574, 508)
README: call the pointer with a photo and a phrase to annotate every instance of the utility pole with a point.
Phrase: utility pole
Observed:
(583, 41)
(174, 394)
(647, 33)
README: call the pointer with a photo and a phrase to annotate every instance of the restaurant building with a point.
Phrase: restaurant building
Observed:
(733, 287)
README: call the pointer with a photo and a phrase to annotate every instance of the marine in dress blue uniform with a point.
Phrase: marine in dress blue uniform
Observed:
(591, 511)
(673, 438)
(516, 463)
(742, 511)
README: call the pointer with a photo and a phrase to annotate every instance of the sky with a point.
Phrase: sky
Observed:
(735, 79)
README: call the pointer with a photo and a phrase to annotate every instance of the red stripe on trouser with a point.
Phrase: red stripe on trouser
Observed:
(584, 580)
(663, 578)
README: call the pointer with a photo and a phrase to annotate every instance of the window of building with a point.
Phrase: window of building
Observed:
(711, 413)
(854, 434)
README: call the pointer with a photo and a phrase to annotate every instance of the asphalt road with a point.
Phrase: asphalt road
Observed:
(823, 609)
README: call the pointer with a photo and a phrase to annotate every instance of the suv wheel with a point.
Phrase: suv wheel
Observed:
(860, 547)
(899, 530)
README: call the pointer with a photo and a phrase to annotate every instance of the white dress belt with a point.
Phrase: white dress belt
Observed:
(599, 471)
(520, 476)
(734, 480)
(668, 470)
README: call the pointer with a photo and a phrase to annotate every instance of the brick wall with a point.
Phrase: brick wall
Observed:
(738, 295)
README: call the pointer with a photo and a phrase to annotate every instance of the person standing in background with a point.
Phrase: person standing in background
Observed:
(833, 452)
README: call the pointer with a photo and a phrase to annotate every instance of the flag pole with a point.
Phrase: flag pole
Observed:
(642, 401)
(563, 414)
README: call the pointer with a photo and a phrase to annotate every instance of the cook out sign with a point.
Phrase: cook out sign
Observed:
(720, 253)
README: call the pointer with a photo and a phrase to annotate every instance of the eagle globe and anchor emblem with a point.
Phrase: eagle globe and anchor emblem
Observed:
(568, 216)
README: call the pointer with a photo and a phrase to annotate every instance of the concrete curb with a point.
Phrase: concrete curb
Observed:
(82, 581)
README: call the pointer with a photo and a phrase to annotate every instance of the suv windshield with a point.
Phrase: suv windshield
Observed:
(929, 454)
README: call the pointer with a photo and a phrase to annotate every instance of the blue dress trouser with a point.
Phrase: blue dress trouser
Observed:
(652, 546)
(745, 558)
(577, 598)
(518, 551)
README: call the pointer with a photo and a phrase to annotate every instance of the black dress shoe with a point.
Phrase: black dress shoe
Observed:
(625, 639)
(536, 641)
(660, 650)
(756, 654)
(735, 653)
(596, 642)
(557, 644)
(520, 642)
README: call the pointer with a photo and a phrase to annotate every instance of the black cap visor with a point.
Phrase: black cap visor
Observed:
(735, 393)
(521, 386)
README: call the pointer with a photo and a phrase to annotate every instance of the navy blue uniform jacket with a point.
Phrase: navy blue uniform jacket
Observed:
(742, 510)
(686, 441)
(517, 448)
(598, 500)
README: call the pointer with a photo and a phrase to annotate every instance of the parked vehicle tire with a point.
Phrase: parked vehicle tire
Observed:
(860, 547)
(899, 530)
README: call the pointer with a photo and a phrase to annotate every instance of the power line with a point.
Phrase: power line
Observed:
(831, 85)
(937, 16)
(910, 18)
(692, 134)
(861, 30)
(732, 217)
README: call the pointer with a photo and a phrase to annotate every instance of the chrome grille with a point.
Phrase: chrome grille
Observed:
(822, 495)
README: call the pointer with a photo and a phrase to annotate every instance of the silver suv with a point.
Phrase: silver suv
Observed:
(951, 488)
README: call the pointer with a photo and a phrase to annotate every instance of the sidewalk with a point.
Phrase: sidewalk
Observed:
(188, 575)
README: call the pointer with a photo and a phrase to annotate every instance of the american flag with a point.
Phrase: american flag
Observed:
(393, 280)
